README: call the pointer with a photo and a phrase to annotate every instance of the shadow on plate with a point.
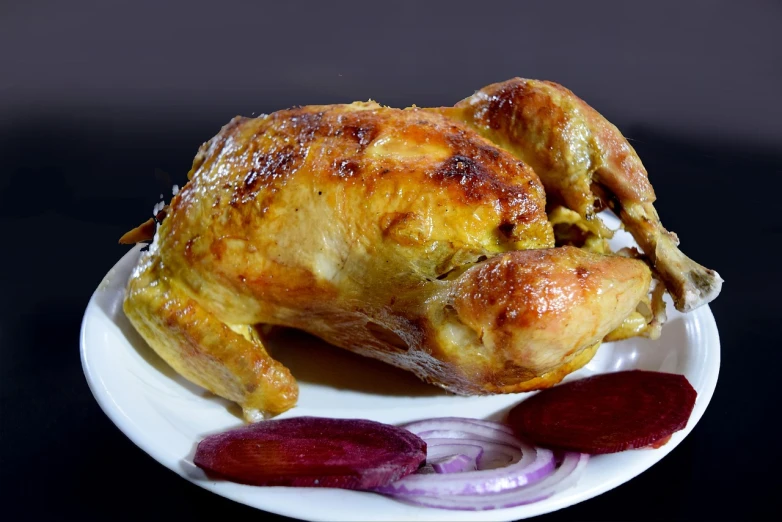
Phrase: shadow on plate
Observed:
(313, 361)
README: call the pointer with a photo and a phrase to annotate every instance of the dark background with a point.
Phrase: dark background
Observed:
(101, 101)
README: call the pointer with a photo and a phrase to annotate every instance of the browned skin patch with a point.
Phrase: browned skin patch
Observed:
(477, 180)
(506, 229)
(346, 168)
(210, 150)
(264, 170)
(364, 134)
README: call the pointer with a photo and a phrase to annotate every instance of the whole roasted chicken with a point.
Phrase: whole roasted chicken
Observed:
(424, 238)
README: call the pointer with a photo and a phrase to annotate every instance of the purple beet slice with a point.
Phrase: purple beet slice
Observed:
(313, 452)
(606, 413)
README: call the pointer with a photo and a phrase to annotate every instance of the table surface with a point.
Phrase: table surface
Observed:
(73, 180)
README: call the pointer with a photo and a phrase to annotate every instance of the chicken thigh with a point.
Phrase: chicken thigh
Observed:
(401, 235)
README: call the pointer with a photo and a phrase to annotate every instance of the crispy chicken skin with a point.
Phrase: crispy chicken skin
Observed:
(401, 235)
(585, 163)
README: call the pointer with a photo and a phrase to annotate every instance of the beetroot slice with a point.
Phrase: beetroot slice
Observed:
(606, 413)
(313, 452)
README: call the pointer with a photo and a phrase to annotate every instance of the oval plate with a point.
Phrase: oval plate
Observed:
(166, 416)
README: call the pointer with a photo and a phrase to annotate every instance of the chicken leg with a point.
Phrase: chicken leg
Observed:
(584, 162)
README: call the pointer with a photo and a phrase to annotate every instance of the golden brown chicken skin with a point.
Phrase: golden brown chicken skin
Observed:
(401, 235)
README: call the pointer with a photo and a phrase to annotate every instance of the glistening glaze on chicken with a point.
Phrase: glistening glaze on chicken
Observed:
(401, 235)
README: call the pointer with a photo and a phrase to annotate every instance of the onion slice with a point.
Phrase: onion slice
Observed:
(478, 465)
(440, 448)
(533, 465)
(564, 477)
(454, 464)
(485, 454)
(454, 423)
(497, 437)
(454, 427)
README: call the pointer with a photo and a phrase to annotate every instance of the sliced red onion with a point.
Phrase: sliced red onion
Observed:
(480, 434)
(492, 459)
(454, 423)
(454, 464)
(486, 454)
(534, 465)
(454, 427)
(441, 448)
(564, 477)
(478, 465)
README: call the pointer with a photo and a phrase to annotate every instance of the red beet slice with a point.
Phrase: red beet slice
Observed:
(606, 413)
(313, 452)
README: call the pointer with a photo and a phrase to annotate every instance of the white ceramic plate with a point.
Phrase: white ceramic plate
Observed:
(166, 416)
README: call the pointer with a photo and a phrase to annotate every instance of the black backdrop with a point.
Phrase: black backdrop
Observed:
(100, 102)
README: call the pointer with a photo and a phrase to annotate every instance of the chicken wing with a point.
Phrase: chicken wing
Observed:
(400, 235)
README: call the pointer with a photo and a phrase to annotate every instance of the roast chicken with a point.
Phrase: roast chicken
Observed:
(419, 237)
